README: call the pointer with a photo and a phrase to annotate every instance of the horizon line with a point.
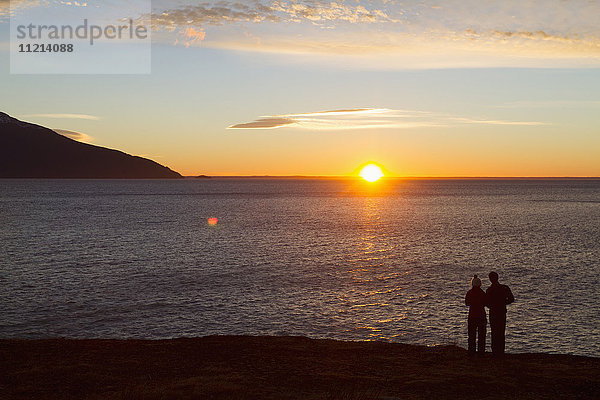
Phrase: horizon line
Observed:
(387, 177)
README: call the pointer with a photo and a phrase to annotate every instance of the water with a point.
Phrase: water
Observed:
(321, 258)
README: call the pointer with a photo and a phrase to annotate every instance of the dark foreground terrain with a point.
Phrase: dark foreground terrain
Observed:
(282, 368)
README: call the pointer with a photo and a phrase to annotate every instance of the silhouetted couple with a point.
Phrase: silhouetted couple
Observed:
(496, 297)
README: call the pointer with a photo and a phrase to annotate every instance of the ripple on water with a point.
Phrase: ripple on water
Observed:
(299, 257)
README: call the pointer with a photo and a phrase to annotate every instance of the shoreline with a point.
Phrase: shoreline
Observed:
(260, 367)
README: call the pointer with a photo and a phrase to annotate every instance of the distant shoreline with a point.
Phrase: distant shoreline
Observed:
(246, 367)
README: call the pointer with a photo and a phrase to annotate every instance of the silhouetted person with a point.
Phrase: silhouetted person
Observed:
(498, 297)
(476, 299)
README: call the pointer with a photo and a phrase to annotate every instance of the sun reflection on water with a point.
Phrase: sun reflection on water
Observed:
(375, 301)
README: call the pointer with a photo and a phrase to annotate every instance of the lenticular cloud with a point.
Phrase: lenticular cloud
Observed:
(368, 118)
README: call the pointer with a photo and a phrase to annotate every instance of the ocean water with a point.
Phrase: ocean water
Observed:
(321, 258)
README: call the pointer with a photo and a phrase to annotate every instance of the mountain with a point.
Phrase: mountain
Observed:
(32, 151)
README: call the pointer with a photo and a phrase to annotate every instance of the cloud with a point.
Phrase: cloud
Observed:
(553, 104)
(66, 116)
(407, 34)
(191, 36)
(296, 11)
(6, 6)
(78, 136)
(74, 3)
(369, 118)
(497, 122)
(221, 13)
(387, 34)
(265, 123)
(539, 35)
(355, 111)
(206, 14)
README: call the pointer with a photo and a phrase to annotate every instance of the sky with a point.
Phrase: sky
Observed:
(297, 87)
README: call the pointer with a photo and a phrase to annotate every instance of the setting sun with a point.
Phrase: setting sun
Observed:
(371, 173)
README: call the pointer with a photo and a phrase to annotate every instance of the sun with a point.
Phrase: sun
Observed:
(371, 173)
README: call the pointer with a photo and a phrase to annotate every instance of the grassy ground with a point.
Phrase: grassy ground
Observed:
(282, 368)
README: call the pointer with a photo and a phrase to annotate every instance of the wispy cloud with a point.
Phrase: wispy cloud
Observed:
(497, 122)
(266, 123)
(73, 3)
(80, 137)
(453, 33)
(369, 118)
(15, 5)
(296, 11)
(223, 12)
(537, 35)
(552, 104)
(191, 36)
(66, 116)
(383, 34)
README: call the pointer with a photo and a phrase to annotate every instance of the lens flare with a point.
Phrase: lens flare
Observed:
(371, 173)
